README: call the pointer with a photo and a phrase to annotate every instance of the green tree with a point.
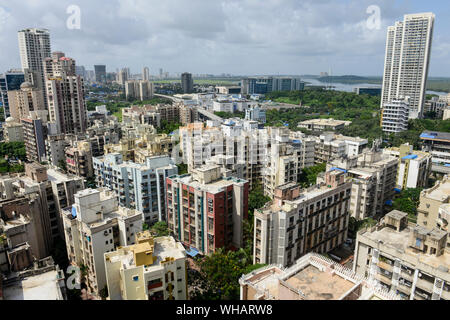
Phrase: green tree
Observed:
(309, 175)
(160, 229)
(407, 201)
(182, 168)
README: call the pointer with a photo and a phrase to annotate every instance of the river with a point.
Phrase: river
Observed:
(350, 87)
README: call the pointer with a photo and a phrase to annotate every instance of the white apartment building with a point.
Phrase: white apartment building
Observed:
(414, 167)
(151, 269)
(34, 46)
(299, 221)
(94, 226)
(139, 89)
(255, 113)
(331, 146)
(137, 186)
(408, 49)
(394, 116)
(406, 259)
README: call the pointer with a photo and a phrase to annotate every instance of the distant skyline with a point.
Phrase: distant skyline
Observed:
(213, 37)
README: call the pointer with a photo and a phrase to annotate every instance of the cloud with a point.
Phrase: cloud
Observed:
(211, 36)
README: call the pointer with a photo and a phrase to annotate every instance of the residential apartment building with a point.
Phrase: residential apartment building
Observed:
(94, 226)
(65, 95)
(312, 277)
(436, 107)
(414, 167)
(100, 73)
(34, 47)
(434, 207)
(205, 210)
(374, 179)
(151, 269)
(13, 130)
(299, 221)
(137, 186)
(55, 146)
(25, 100)
(408, 49)
(255, 113)
(34, 138)
(438, 144)
(331, 146)
(394, 116)
(79, 159)
(139, 90)
(263, 85)
(406, 259)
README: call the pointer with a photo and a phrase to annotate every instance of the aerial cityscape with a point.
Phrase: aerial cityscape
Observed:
(224, 150)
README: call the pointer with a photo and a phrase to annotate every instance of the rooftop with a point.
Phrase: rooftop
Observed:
(440, 191)
(39, 287)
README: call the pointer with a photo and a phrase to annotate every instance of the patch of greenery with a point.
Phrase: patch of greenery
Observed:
(182, 168)
(407, 201)
(13, 150)
(309, 175)
(228, 115)
(168, 127)
(160, 229)
(6, 167)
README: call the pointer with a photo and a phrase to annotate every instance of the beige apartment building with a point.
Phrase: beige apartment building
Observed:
(373, 175)
(79, 159)
(406, 259)
(151, 269)
(95, 225)
(324, 124)
(299, 221)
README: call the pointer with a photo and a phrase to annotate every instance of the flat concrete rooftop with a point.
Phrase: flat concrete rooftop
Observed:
(40, 287)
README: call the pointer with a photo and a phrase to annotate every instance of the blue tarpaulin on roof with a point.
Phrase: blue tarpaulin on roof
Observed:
(74, 212)
(336, 168)
(296, 141)
(447, 165)
(389, 202)
(410, 157)
(286, 124)
(428, 135)
(397, 190)
(192, 252)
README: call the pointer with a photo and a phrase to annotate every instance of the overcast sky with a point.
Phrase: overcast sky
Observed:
(222, 36)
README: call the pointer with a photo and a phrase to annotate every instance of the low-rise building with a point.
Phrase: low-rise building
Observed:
(438, 144)
(312, 277)
(323, 124)
(151, 269)
(205, 210)
(331, 146)
(300, 221)
(95, 225)
(405, 259)
(13, 130)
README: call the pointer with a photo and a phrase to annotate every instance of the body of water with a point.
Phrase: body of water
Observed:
(350, 87)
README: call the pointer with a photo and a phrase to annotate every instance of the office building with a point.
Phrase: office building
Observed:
(394, 116)
(299, 221)
(206, 211)
(95, 225)
(10, 81)
(312, 277)
(187, 84)
(151, 269)
(438, 145)
(368, 90)
(408, 49)
(406, 259)
(100, 73)
(138, 186)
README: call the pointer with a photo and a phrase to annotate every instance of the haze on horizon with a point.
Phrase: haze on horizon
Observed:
(240, 37)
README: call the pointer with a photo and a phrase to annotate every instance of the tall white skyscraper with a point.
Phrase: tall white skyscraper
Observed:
(34, 46)
(408, 49)
(146, 74)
